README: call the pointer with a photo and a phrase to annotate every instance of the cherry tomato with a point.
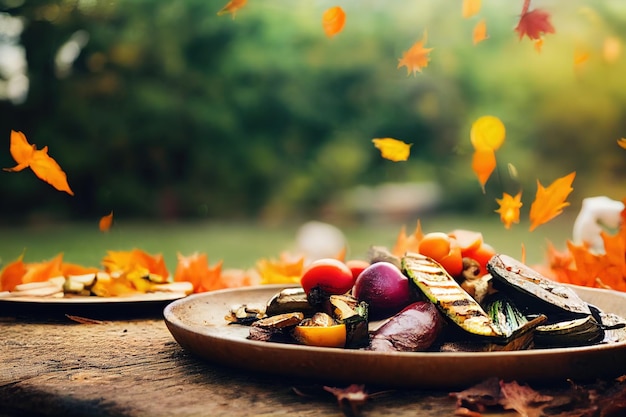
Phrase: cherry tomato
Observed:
(443, 249)
(482, 255)
(325, 336)
(357, 266)
(468, 240)
(329, 275)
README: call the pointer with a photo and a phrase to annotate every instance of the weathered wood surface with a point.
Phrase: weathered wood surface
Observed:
(135, 368)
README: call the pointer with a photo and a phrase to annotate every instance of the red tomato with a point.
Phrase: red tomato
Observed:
(443, 249)
(329, 275)
(482, 255)
(357, 266)
(468, 240)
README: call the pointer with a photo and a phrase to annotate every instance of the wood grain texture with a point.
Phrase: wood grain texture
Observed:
(135, 368)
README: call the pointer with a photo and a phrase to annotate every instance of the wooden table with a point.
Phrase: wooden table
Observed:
(131, 366)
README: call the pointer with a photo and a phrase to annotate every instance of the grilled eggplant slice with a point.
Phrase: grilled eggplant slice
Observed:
(289, 300)
(534, 293)
(275, 328)
(452, 300)
(578, 332)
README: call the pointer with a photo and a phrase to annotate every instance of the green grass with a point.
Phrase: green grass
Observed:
(240, 245)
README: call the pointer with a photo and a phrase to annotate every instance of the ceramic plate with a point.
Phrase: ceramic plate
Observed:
(197, 323)
(100, 307)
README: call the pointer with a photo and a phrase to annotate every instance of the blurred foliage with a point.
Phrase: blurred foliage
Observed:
(170, 111)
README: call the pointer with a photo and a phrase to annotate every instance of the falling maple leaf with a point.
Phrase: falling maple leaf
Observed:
(470, 8)
(393, 149)
(106, 222)
(622, 143)
(483, 165)
(549, 202)
(333, 21)
(479, 33)
(416, 58)
(44, 166)
(534, 23)
(232, 7)
(611, 49)
(509, 208)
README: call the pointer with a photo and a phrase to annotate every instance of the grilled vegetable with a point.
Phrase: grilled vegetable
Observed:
(354, 315)
(534, 293)
(454, 302)
(413, 329)
(320, 330)
(288, 300)
(276, 328)
(578, 332)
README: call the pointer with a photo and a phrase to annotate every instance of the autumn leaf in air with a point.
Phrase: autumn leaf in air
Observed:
(534, 24)
(479, 33)
(483, 165)
(487, 132)
(44, 166)
(416, 58)
(550, 201)
(621, 142)
(393, 149)
(106, 222)
(509, 208)
(470, 8)
(611, 49)
(232, 7)
(333, 21)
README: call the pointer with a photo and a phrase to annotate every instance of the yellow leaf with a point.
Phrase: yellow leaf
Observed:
(509, 208)
(483, 165)
(480, 32)
(392, 149)
(550, 202)
(487, 132)
(416, 57)
(470, 8)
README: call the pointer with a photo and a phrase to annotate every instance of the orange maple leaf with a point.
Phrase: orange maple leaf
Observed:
(479, 33)
(483, 165)
(232, 7)
(393, 149)
(333, 21)
(195, 269)
(44, 166)
(416, 58)
(509, 208)
(11, 275)
(534, 23)
(135, 261)
(106, 222)
(406, 243)
(549, 202)
(470, 8)
(287, 270)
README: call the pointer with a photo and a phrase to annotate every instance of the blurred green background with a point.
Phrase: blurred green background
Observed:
(164, 111)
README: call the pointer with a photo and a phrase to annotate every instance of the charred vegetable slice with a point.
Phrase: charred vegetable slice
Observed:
(578, 332)
(289, 300)
(275, 328)
(354, 314)
(439, 287)
(535, 293)
(320, 330)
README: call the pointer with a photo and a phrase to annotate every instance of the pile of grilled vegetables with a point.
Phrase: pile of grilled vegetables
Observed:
(512, 307)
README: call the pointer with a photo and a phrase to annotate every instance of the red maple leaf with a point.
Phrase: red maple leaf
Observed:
(534, 23)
